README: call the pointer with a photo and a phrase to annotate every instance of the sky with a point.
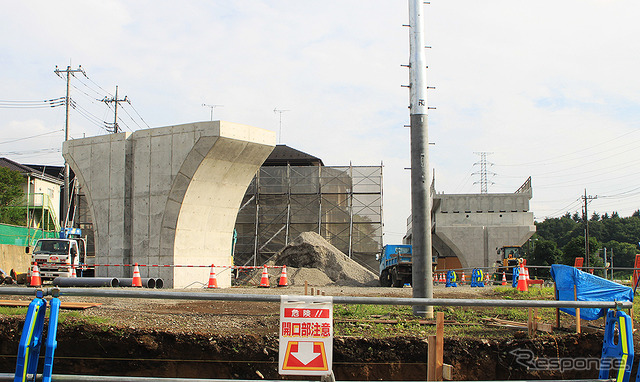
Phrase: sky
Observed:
(548, 89)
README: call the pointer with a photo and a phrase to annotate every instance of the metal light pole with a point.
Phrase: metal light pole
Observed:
(422, 274)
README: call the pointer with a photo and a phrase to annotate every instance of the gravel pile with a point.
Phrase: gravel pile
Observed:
(311, 258)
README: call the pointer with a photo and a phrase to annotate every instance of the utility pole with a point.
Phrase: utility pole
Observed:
(212, 107)
(422, 272)
(484, 180)
(65, 196)
(116, 101)
(586, 199)
(280, 129)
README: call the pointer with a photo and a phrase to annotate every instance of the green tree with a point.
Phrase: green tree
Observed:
(10, 197)
(545, 253)
(624, 255)
(575, 248)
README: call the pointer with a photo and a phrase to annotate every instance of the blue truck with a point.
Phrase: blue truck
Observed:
(395, 265)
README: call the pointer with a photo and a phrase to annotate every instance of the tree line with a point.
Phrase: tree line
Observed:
(561, 240)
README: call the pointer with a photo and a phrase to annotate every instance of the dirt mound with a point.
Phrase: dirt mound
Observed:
(311, 257)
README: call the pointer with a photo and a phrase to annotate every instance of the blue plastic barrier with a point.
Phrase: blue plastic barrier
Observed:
(52, 343)
(516, 275)
(451, 279)
(620, 354)
(31, 339)
(477, 278)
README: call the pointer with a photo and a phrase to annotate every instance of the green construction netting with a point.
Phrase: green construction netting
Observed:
(22, 236)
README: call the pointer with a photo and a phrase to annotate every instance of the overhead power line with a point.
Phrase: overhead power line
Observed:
(41, 104)
(33, 136)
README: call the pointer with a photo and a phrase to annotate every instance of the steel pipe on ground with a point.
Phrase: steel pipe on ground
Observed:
(86, 282)
(146, 282)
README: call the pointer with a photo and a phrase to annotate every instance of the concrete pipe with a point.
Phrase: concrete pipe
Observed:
(86, 282)
(146, 282)
(159, 284)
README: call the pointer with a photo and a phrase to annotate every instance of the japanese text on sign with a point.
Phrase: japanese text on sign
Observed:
(306, 329)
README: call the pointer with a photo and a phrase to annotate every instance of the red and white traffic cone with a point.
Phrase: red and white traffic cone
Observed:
(264, 281)
(522, 281)
(137, 281)
(73, 271)
(283, 277)
(36, 280)
(463, 279)
(213, 282)
(504, 278)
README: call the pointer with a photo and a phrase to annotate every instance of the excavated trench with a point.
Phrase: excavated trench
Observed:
(105, 350)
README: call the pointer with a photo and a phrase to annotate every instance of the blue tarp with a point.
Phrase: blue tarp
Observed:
(588, 288)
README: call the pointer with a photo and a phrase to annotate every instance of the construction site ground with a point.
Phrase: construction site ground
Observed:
(227, 339)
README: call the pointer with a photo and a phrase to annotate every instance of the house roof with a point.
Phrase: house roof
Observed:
(26, 170)
(283, 155)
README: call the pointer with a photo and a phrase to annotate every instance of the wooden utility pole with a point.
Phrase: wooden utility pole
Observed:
(116, 101)
(65, 197)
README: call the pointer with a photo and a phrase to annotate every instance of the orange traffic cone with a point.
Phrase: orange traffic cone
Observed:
(137, 281)
(213, 282)
(264, 281)
(36, 281)
(73, 271)
(463, 280)
(522, 281)
(283, 277)
(504, 278)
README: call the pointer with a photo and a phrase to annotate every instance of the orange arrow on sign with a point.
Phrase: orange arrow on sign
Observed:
(305, 355)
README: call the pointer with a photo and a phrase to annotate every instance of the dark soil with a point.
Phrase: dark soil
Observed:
(107, 350)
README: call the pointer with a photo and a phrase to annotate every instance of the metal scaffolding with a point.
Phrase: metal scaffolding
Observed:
(342, 204)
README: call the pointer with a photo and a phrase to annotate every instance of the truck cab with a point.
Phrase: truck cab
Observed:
(58, 257)
(395, 265)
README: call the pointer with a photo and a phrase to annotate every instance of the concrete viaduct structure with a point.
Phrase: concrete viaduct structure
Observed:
(472, 227)
(168, 196)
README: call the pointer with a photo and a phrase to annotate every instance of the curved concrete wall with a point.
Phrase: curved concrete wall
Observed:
(169, 195)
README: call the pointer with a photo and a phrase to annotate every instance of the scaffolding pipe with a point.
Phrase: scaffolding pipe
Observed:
(116, 293)
(98, 378)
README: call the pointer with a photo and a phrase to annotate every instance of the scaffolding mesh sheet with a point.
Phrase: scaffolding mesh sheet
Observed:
(343, 204)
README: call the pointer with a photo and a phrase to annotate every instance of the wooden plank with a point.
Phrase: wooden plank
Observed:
(439, 345)
(63, 305)
(575, 297)
(555, 289)
(431, 358)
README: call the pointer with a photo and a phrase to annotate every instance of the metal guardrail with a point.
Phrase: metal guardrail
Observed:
(213, 296)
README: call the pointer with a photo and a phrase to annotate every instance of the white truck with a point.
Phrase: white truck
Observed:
(58, 257)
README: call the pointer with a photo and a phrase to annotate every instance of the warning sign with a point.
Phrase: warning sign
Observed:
(306, 335)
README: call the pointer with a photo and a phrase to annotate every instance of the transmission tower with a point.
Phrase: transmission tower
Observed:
(484, 173)
(116, 101)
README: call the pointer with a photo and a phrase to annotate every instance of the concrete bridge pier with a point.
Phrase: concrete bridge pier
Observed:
(168, 196)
